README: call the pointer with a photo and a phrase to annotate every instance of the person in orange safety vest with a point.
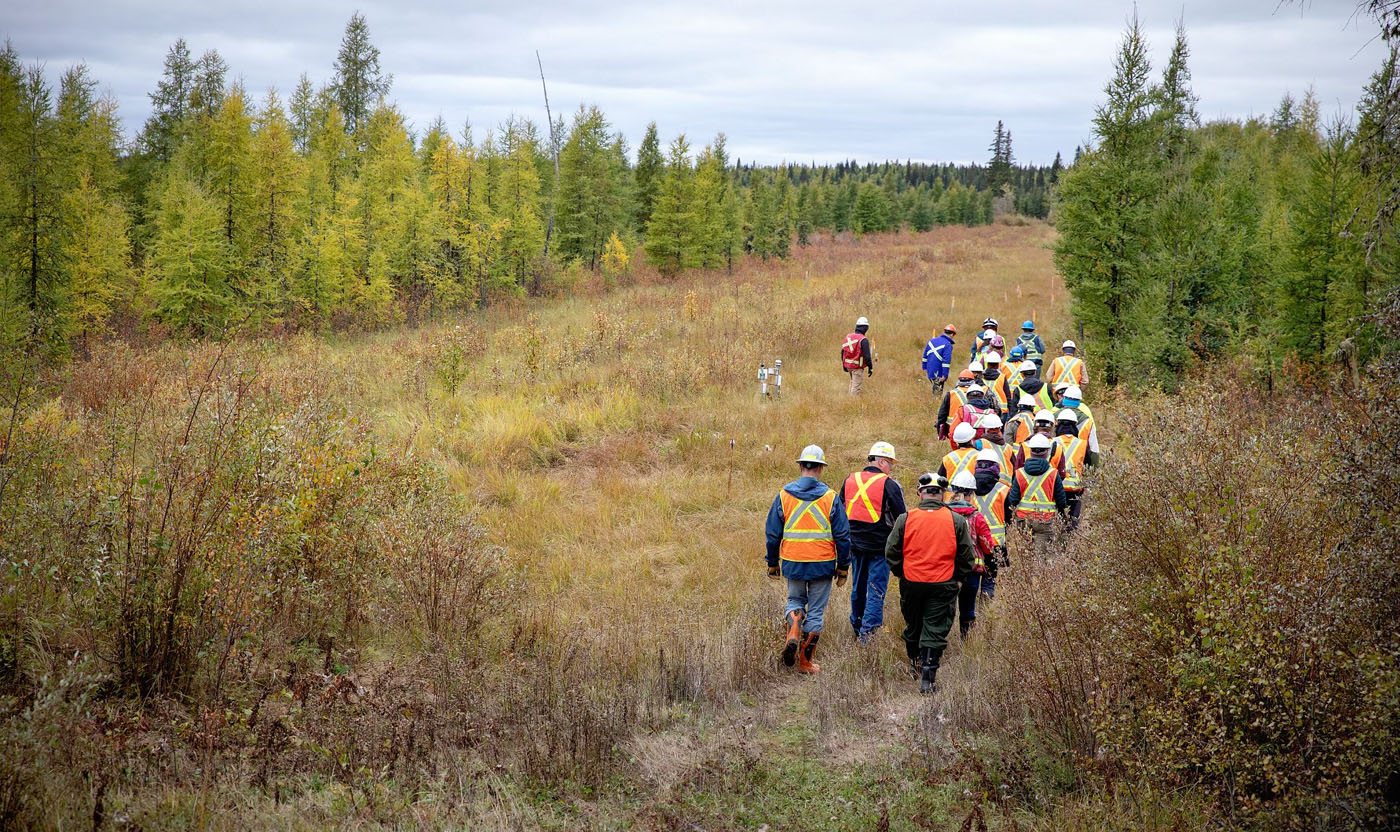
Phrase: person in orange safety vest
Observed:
(873, 501)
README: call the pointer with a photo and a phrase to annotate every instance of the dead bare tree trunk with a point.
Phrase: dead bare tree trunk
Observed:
(554, 191)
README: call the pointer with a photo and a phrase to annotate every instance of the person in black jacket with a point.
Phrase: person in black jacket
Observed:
(930, 549)
(873, 500)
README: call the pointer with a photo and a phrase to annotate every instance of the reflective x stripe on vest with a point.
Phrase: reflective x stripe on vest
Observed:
(962, 459)
(859, 505)
(1075, 450)
(1027, 343)
(1067, 369)
(807, 528)
(851, 358)
(1037, 495)
(1086, 421)
(993, 508)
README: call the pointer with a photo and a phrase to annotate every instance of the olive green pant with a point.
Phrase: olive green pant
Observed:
(929, 611)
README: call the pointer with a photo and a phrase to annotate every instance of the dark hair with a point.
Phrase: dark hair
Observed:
(810, 466)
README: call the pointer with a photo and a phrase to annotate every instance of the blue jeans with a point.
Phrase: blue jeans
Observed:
(811, 598)
(975, 585)
(870, 575)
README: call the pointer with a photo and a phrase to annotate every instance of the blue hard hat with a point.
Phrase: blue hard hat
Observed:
(1028, 325)
(1018, 352)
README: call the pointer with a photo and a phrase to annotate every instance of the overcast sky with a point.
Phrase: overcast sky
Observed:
(795, 81)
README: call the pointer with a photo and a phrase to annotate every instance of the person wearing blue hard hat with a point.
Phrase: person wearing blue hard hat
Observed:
(1030, 343)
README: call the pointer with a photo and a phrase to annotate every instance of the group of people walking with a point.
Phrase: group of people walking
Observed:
(1020, 449)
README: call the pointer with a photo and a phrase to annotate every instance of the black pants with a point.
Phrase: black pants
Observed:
(929, 610)
(1075, 499)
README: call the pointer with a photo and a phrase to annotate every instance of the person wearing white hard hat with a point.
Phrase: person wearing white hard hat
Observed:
(809, 544)
(997, 382)
(953, 401)
(963, 453)
(1018, 426)
(994, 440)
(979, 404)
(1033, 384)
(1073, 399)
(1077, 459)
(1043, 424)
(984, 338)
(930, 550)
(993, 484)
(960, 491)
(857, 356)
(1037, 495)
(873, 499)
(1068, 367)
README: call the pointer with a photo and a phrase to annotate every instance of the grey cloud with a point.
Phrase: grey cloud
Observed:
(787, 80)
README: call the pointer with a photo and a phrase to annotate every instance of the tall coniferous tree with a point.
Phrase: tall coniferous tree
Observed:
(278, 200)
(670, 217)
(358, 82)
(590, 189)
(1105, 208)
(648, 174)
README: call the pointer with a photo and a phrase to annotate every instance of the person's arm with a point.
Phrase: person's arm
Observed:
(1093, 440)
(982, 535)
(841, 532)
(923, 364)
(894, 498)
(1013, 497)
(894, 546)
(966, 558)
(867, 354)
(774, 530)
(942, 423)
(1061, 501)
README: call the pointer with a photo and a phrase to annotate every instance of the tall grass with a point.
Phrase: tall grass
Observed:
(338, 572)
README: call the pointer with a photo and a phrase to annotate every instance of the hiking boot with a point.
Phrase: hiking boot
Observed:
(963, 627)
(804, 659)
(794, 635)
(928, 677)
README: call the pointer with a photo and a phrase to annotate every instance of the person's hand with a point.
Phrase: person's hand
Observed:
(869, 371)
(775, 572)
(841, 576)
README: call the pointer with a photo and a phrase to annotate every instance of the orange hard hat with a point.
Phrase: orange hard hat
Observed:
(950, 329)
(967, 374)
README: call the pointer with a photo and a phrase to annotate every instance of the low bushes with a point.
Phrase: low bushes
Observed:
(1225, 623)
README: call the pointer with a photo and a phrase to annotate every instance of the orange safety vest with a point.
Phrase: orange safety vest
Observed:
(1067, 368)
(864, 494)
(807, 534)
(1037, 495)
(1021, 430)
(1074, 449)
(993, 508)
(930, 545)
(960, 459)
(851, 358)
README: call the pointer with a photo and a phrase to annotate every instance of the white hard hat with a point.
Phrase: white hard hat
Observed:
(1068, 345)
(976, 388)
(992, 358)
(962, 434)
(964, 481)
(1073, 392)
(988, 333)
(991, 421)
(1068, 415)
(813, 453)
(989, 455)
(861, 321)
(975, 367)
(1040, 416)
(1039, 442)
(1060, 386)
(883, 449)
(1027, 400)
(1028, 367)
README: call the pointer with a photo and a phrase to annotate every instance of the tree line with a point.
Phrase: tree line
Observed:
(1270, 239)
(230, 210)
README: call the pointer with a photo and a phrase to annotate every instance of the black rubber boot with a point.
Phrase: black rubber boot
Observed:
(916, 665)
(928, 678)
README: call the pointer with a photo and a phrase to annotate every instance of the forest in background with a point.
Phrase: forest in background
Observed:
(1269, 241)
(236, 211)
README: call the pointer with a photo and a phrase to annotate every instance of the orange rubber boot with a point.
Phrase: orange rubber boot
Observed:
(804, 660)
(794, 633)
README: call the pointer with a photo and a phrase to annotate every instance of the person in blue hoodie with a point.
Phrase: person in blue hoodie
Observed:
(938, 357)
(809, 544)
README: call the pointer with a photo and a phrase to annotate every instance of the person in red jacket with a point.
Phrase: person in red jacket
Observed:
(963, 486)
(857, 356)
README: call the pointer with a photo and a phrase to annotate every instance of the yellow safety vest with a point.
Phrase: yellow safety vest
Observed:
(962, 459)
(1067, 368)
(1074, 452)
(993, 508)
